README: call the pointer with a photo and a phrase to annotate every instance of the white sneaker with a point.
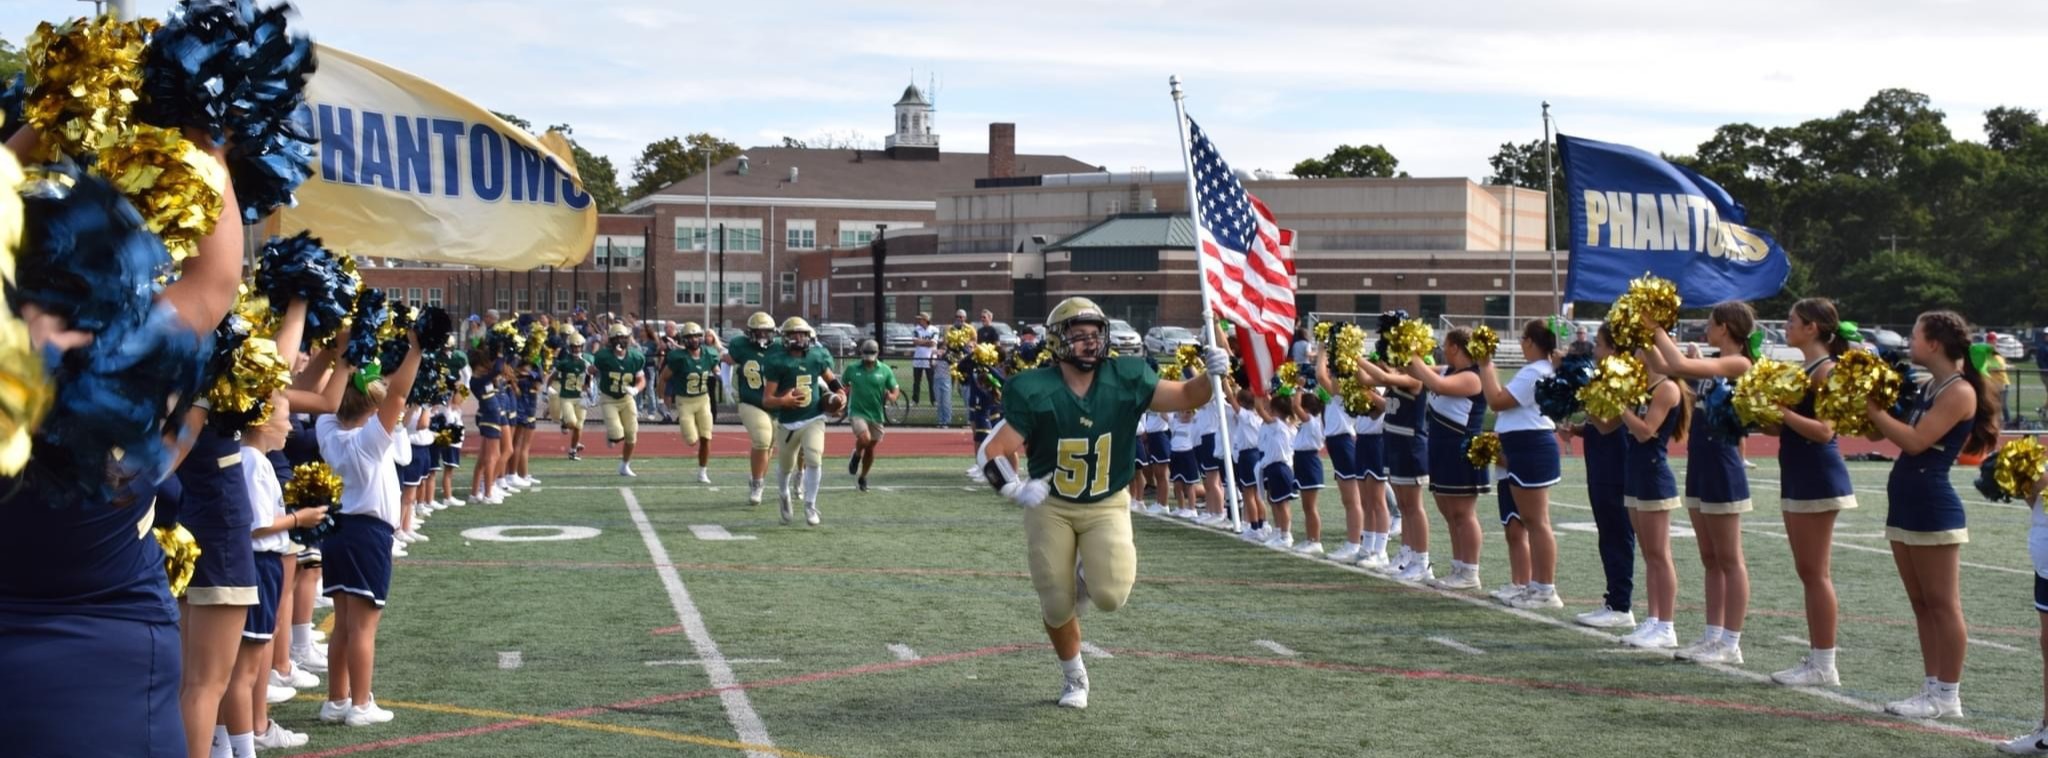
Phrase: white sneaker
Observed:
(1156, 509)
(1416, 571)
(1349, 553)
(1698, 646)
(310, 660)
(1460, 579)
(1207, 519)
(626, 469)
(279, 694)
(398, 551)
(1074, 692)
(754, 494)
(415, 536)
(1186, 513)
(786, 514)
(1256, 536)
(1534, 599)
(276, 737)
(1806, 674)
(703, 477)
(1507, 593)
(1926, 705)
(509, 486)
(1282, 540)
(299, 679)
(1651, 636)
(528, 481)
(333, 711)
(454, 502)
(1376, 563)
(497, 498)
(811, 514)
(362, 717)
(2035, 743)
(402, 537)
(1310, 548)
(1606, 618)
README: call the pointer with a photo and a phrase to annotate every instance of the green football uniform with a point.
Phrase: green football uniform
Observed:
(1088, 445)
(750, 366)
(801, 371)
(691, 376)
(569, 371)
(615, 374)
(866, 388)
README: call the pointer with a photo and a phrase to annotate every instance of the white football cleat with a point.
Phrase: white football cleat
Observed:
(811, 514)
(785, 509)
(1074, 692)
(626, 469)
(703, 477)
(754, 494)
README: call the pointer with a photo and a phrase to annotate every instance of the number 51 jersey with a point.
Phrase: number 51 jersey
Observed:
(1088, 445)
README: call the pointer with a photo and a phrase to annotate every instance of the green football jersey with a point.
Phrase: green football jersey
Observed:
(569, 371)
(615, 374)
(866, 388)
(806, 372)
(691, 376)
(1088, 445)
(750, 367)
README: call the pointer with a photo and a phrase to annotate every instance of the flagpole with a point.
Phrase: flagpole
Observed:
(1550, 214)
(1229, 488)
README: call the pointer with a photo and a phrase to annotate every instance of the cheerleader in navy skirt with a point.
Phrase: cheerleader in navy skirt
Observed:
(1816, 486)
(1186, 471)
(1455, 415)
(1528, 441)
(1925, 520)
(1306, 450)
(1244, 442)
(1405, 451)
(1716, 482)
(1155, 452)
(1651, 494)
(484, 385)
(359, 442)
(1341, 441)
(1606, 454)
(245, 706)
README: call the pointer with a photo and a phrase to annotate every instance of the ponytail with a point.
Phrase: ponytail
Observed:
(1684, 410)
(1834, 334)
(1948, 330)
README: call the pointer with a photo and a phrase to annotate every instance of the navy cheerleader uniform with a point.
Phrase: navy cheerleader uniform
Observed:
(88, 629)
(1308, 459)
(1816, 477)
(489, 421)
(528, 414)
(1452, 422)
(1155, 443)
(1340, 440)
(1369, 448)
(1647, 483)
(1924, 508)
(359, 551)
(216, 511)
(1207, 454)
(1715, 479)
(1528, 440)
(1606, 487)
(1407, 450)
(1244, 436)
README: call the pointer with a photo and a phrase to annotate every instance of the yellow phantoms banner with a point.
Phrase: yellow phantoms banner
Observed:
(405, 169)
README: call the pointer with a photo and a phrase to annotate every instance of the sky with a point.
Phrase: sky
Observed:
(1440, 84)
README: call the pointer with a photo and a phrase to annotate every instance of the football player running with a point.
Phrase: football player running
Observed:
(793, 383)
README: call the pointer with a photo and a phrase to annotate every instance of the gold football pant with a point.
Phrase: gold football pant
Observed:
(1099, 535)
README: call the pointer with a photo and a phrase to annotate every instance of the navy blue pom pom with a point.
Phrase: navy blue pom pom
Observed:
(85, 254)
(434, 326)
(298, 267)
(370, 316)
(113, 395)
(1987, 481)
(1719, 402)
(10, 103)
(1557, 396)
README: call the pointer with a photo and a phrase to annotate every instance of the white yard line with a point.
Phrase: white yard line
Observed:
(1489, 604)
(1277, 648)
(715, 533)
(1800, 641)
(1996, 645)
(696, 662)
(903, 652)
(1456, 645)
(739, 710)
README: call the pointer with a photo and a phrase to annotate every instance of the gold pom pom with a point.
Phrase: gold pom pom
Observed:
(172, 183)
(1409, 340)
(1484, 450)
(1858, 379)
(312, 484)
(25, 390)
(1619, 383)
(1359, 399)
(258, 370)
(1484, 343)
(959, 337)
(1767, 385)
(181, 556)
(986, 355)
(1290, 373)
(1189, 358)
(1350, 350)
(1322, 330)
(255, 309)
(84, 78)
(2021, 462)
(1650, 303)
(958, 378)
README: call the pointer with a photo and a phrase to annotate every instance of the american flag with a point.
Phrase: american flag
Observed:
(1247, 259)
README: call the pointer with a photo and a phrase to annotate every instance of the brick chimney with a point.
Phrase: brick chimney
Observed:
(1002, 151)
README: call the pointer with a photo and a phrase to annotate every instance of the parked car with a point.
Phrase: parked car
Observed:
(1884, 339)
(1161, 340)
(839, 338)
(1006, 335)
(1124, 340)
(2010, 347)
(1776, 349)
(897, 339)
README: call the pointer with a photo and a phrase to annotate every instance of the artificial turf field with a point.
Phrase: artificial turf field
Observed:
(906, 625)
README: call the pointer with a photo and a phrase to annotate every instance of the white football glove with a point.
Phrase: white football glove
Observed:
(1216, 360)
(1030, 492)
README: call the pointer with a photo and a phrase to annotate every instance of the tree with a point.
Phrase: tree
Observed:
(2006, 128)
(1522, 165)
(523, 124)
(794, 143)
(671, 160)
(1895, 287)
(600, 178)
(1347, 161)
(11, 62)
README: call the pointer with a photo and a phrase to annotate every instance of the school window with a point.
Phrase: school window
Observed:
(862, 233)
(788, 286)
(625, 252)
(742, 293)
(962, 302)
(583, 301)
(1430, 307)
(394, 295)
(888, 308)
(1365, 303)
(924, 303)
(689, 291)
(801, 234)
(742, 235)
(412, 296)
(1497, 306)
(562, 301)
(520, 298)
(504, 299)
(434, 297)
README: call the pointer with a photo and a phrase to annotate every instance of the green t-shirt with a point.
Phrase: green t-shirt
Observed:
(615, 374)
(1088, 445)
(866, 387)
(691, 377)
(750, 368)
(569, 371)
(802, 371)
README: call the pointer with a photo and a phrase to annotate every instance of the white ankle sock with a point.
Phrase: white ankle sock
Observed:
(1540, 588)
(1074, 667)
(221, 749)
(1731, 639)
(302, 638)
(1948, 690)
(1664, 625)
(1822, 658)
(1712, 634)
(242, 745)
(1422, 558)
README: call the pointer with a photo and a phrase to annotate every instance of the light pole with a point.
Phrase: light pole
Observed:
(706, 252)
(879, 255)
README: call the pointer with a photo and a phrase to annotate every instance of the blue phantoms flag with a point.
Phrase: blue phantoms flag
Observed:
(1633, 212)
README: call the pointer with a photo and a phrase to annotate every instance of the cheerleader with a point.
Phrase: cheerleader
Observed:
(1652, 494)
(523, 381)
(248, 688)
(1276, 462)
(1405, 454)
(1244, 439)
(415, 439)
(1606, 454)
(358, 441)
(1307, 450)
(1187, 472)
(448, 458)
(1209, 456)
(1455, 415)
(1528, 442)
(1155, 445)
(483, 385)
(1716, 482)
(1925, 520)
(2036, 742)
(1816, 486)
(1341, 439)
